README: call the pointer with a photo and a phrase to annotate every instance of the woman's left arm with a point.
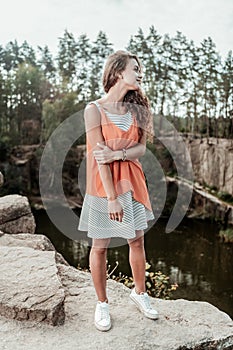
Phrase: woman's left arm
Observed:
(106, 155)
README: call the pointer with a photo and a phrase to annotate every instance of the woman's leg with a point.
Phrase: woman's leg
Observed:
(137, 260)
(97, 260)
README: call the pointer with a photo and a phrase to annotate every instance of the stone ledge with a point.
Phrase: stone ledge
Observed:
(31, 278)
(38, 242)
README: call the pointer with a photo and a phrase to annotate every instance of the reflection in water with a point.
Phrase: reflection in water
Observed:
(192, 256)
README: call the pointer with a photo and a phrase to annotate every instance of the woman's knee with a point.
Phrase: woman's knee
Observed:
(100, 246)
(98, 250)
(138, 241)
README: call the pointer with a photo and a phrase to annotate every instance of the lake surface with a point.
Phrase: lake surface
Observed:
(192, 256)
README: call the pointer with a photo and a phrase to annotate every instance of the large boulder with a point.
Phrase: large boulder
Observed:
(16, 215)
(30, 287)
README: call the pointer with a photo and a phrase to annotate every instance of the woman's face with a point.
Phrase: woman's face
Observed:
(132, 75)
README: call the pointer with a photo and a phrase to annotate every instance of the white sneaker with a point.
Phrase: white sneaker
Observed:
(102, 317)
(143, 303)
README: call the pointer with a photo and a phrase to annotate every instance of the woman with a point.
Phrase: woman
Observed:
(116, 203)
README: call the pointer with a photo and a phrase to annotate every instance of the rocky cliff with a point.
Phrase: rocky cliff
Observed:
(212, 162)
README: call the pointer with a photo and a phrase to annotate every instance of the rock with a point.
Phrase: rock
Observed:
(37, 287)
(212, 161)
(22, 224)
(38, 241)
(182, 324)
(203, 204)
(16, 215)
(31, 282)
(30, 288)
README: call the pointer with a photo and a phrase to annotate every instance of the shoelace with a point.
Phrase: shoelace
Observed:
(146, 300)
(104, 312)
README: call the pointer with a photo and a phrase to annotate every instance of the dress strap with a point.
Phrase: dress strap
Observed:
(97, 105)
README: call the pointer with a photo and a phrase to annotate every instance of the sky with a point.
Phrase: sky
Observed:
(43, 22)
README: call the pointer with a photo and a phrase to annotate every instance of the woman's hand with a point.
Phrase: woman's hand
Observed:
(115, 210)
(105, 155)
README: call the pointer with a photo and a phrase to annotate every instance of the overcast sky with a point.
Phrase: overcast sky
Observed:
(42, 22)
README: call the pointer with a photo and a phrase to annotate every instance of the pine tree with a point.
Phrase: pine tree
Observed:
(83, 68)
(67, 60)
(209, 71)
(46, 63)
(226, 96)
(101, 49)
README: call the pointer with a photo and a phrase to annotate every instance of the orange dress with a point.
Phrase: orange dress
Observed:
(128, 178)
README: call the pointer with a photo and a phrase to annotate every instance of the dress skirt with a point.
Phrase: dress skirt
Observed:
(95, 218)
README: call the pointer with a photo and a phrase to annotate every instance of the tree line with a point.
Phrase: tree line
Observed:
(188, 84)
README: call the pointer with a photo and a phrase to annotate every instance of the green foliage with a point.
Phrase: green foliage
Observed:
(50, 118)
(55, 113)
(227, 197)
(4, 148)
(67, 57)
(157, 284)
(190, 85)
(224, 196)
(13, 179)
(46, 63)
(226, 235)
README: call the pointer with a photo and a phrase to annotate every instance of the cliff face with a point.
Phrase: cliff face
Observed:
(212, 162)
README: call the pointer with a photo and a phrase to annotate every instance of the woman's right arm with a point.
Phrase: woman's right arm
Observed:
(94, 135)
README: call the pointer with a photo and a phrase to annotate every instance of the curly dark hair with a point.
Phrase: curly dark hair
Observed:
(136, 100)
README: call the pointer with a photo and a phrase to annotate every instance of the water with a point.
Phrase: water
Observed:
(192, 256)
